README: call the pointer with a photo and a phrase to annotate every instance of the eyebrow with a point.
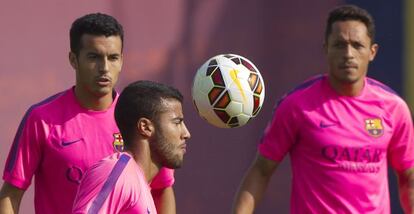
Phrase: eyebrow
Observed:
(94, 52)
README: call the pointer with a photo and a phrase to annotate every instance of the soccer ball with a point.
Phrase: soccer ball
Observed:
(228, 91)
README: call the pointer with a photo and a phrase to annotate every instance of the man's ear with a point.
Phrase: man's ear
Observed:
(374, 51)
(145, 127)
(73, 60)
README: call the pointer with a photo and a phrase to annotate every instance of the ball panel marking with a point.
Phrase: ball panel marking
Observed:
(222, 115)
(214, 94)
(210, 70)
(236, 60)
(223, 101)
(248, 65)
(256, 104)
(259, 89)
(213, 62)
(218, 78)
(252, 80)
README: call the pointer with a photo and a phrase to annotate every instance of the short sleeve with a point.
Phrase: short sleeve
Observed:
(401, 149)
(25, 153)
(164, 179)
(280, 134)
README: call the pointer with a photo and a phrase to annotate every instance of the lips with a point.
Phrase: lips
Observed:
(348, 66)
(103, 81)
(184, 147)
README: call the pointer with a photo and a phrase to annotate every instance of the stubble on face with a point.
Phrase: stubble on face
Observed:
(168, 144)
(164, 152)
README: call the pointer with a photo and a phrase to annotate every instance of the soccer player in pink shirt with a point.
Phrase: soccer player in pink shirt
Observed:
(341, 130)
(62, 136)
(150, 117)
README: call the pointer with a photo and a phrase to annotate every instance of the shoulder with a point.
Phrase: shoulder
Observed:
(393, 105)
(46, 107)
(302, 96)
(103, 182)
(384, 93)
(306, 89)
(105, 173)
(120, 175)
(381, 87)
(114, 162)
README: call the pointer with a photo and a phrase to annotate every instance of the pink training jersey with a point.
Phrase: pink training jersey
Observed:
(339, 146)
(57, 141)
(115, 184)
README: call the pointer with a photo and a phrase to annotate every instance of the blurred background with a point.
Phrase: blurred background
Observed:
(167, 41)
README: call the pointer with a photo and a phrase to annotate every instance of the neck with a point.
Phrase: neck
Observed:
(92, 102)
(347, 89)
(142, 156)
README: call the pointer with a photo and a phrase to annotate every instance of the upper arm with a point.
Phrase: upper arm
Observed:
(10, 197)
(254, 184)
(264, 166)
(25, 152)
(401, 149)
(259, 173)
(281, 133)
(8, 190)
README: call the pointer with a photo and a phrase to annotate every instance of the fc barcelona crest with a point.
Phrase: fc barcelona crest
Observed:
(118, 142)
(374, 127)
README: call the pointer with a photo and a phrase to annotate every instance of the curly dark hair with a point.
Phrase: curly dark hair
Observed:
(95, 24)
(350, 12)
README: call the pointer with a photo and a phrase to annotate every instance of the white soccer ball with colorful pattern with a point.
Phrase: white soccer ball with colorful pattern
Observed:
(228, 91)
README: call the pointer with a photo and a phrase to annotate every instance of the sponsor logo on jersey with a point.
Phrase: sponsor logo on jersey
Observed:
(118, 142)
(354, 159)
(374, 127)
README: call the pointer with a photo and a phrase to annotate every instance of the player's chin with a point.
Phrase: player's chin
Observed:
(103, 90)
(347, 78)
(176, 162)
(350, 79)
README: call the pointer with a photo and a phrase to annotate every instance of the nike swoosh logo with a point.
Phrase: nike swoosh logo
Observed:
(326, 125)
(67, 143)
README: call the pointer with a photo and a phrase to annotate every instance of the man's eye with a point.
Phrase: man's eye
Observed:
(113, 58)
(92, 56)
(358, 46)
(339, 45)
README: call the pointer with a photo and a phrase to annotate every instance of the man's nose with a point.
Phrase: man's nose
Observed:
(104, 65)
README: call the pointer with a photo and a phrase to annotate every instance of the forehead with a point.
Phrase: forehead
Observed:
(170, 108)
(101, 42)
(349, 30)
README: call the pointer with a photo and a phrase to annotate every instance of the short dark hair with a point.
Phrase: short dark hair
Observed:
(347, 13)
(141, 99)
(97, 24)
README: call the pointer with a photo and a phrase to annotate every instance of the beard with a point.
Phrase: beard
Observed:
(163, 152)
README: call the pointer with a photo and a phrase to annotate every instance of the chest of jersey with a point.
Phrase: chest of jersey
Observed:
(345, 133)
(75, 145)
